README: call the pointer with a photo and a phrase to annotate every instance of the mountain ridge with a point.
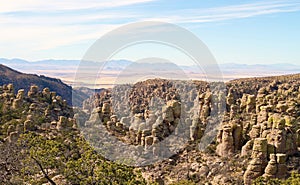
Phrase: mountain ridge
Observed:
(24, 81)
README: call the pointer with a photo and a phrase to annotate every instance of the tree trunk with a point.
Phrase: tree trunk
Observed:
(43, 171)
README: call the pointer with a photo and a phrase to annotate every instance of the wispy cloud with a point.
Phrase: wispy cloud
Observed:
(231, 12)
(43, 25)
(55, 5)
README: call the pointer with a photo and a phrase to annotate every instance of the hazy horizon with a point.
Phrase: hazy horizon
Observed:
(124, 59)
(121, 70)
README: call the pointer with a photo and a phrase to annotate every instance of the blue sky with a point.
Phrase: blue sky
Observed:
(248, 32)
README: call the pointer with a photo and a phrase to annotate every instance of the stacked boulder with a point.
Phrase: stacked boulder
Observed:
(33, 92)
(64, 123)
(225, 138)
(29, 124)
(18, 102)
(230, 138)
(258, 160)
(276, 167)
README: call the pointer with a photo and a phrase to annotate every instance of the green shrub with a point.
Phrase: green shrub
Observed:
(293, 180)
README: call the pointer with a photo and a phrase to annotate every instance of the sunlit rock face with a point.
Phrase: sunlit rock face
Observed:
(260, 127)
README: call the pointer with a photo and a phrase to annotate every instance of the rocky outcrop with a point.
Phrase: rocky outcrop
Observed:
(39, 110)
(276, 167)
(258, 160)
(260, 125)
(25, 81)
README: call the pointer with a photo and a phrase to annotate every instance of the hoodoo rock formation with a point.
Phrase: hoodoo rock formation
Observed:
(258, 133)
(203, 132)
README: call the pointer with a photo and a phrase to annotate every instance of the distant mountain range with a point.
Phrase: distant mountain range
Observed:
(267, 68)
(66, 70)
(20, 64)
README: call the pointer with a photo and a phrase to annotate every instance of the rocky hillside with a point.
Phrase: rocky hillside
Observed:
(174, 132)
(24, 81)
(40, 144)
(259, 134)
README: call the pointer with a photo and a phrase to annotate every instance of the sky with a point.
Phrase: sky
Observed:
(245, 32)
